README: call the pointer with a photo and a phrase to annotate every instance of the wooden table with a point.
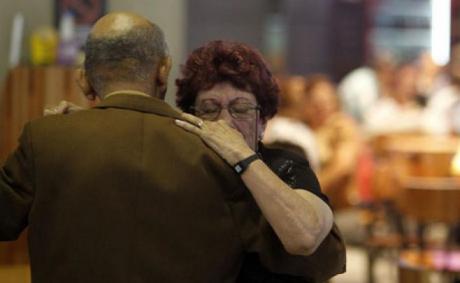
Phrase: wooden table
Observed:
(400, 156)
(413, 172)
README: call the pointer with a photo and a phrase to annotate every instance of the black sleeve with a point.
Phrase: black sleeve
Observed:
(266, 259)
(16, 190)
(293, 170)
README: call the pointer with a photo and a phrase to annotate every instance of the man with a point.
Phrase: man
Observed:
(118, 193)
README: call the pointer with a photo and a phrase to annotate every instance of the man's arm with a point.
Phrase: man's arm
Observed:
(16, 189)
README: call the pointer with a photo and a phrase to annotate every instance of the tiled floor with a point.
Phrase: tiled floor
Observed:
(385, 269)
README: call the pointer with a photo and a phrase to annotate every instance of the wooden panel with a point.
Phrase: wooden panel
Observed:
(15, 274)
(26, 92)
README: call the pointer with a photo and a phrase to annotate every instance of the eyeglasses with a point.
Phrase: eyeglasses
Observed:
(210, 110)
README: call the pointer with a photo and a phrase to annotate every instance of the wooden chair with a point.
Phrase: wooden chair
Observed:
(428, 200)
(400, 161)
(425, 192)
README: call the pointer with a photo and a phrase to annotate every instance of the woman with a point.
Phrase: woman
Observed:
(338, 139)
(232, 94)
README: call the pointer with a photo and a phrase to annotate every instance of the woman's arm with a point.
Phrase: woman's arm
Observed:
(299, 218)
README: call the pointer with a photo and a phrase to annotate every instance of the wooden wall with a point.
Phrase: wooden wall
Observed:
(27, 91)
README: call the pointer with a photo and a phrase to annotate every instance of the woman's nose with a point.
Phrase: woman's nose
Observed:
(227, 117)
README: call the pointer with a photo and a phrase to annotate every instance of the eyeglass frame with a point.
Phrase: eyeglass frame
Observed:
(217, 114)
(256, 107)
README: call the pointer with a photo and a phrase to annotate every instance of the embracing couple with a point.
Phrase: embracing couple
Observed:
(132, 190)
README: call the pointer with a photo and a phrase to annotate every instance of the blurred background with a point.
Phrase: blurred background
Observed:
(374, 83)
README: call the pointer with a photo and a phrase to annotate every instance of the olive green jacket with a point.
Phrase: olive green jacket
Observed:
(118, 193)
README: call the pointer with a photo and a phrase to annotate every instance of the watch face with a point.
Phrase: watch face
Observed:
(238, 169)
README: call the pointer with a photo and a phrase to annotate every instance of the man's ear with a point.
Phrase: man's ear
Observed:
(163, 75)
(84, 85)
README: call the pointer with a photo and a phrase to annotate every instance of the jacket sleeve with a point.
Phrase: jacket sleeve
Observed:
(16, 189)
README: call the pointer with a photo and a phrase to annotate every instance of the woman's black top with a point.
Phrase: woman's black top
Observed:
(295, 172)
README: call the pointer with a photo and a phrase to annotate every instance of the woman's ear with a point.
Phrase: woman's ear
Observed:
(84, 85)
(163, 75)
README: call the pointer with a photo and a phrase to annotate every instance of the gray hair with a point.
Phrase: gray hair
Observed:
(129, 57)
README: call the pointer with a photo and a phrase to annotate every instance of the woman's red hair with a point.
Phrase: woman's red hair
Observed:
(232, 62)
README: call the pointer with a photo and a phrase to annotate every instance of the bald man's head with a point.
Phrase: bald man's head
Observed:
(123, 48)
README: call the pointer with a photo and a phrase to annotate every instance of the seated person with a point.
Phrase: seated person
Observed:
(287, 127)
(338, 139)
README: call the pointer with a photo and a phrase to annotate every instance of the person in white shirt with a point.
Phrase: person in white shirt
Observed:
(439, 117)
(397, 112)
(361, 88)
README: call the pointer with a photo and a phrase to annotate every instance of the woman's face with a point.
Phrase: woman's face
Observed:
(404, 84)
(322, 104)
(234, 106)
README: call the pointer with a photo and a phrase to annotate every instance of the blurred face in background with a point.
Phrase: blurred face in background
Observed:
(404, 89)
(294, 89)
(427, 65)
(454, 65)
(322, 103)
(292, 100)
(385, 65)
(427, 74)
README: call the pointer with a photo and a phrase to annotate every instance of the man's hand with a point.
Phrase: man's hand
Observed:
(64, 107)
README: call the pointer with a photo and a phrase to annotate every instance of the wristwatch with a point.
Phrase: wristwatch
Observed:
(241, 166)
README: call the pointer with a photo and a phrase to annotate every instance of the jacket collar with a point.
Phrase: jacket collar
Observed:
(139, 103)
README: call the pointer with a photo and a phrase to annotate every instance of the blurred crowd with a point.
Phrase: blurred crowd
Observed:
(334, 124)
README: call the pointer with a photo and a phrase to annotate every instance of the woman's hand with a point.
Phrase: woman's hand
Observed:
(223, 139)
(64, 107)
(299, 218)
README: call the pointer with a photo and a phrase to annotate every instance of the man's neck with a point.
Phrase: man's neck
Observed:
(126, 92)
(123, 87)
